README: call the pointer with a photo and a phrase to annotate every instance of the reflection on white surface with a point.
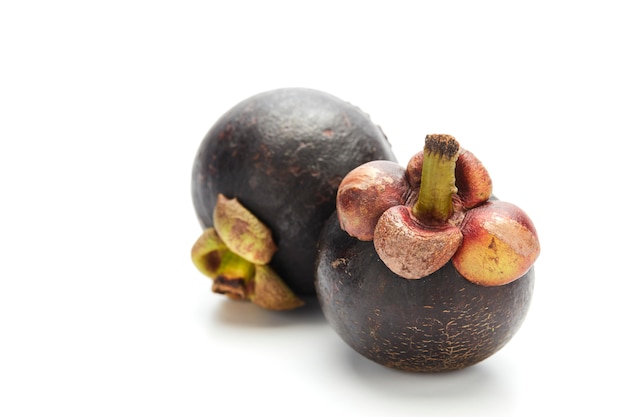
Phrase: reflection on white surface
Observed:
(321, 365)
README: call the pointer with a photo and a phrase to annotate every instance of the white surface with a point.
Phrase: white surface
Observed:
(103, 106)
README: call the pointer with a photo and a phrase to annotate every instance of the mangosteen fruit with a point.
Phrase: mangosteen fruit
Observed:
(423, 269)
(265, 180)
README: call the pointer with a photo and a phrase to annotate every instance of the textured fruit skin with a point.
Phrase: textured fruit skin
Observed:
(283, 153)
(441, 322)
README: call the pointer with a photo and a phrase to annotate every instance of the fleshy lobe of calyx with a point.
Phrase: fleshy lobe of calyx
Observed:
(366, 192)
(500, 244)
(409, 249)
(235, 253)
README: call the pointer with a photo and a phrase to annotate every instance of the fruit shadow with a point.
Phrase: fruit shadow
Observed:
(483, 384)
(246, 314)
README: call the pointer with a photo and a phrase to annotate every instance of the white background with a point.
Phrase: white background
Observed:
(102, 108)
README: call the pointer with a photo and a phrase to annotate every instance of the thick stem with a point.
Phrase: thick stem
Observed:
(434, 203)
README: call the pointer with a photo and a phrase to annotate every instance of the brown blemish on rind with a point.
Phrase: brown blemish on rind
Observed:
(339, 262)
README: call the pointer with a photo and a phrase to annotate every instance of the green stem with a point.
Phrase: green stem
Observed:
(234, 266)
(434, 203)
(233, 276)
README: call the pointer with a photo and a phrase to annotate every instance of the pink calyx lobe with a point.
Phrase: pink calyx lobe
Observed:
(366, 192)
(500, 244)
(411, 249)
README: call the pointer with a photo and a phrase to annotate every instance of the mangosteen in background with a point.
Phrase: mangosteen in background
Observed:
(264, 182)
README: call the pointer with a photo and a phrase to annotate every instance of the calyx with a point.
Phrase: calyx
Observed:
(438, 209)
(236, 252)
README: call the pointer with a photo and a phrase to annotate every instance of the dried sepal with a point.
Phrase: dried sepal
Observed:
(235, 254)
(207, 252)
(242, 231)
(270, 291)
